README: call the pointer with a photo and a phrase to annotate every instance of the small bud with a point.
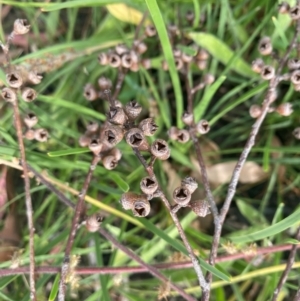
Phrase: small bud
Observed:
(183, 136)
(113, 134)
(127, 200)
(30, 120)
(141, 207)
(257, 65)
(92, 126)
(28, 94)
(283, 7)
(110, 162)
(189, 16)
(114, 60)
(295, 77)
(190, 184)
(146, 63)
(116, 116)
(41, 135)
(173, 132)
(90, 92)
(208, 79)
(140, 47)
(34, 78)
(285, 109)
(186, 58)
(201, 208)
(116, 153)
(21, 27)
(187, 118)
(150, 31)
(255, 111)
(202, 55)
(93, 222)
(160, 149)
(265, 46)
(296, 133)
(84, 140)
(148, 185)
(201, 64)
(182, 196)
(121, 49)
(295, 12)
(29, 134)
(14, 80)
(148, 126)
(173, 29)
(134, 137)
(267, 72)
(178, 63)
(95, 146)
(9, 95)
(132, 109)
(103, 59)
(104, 83)
(202, 127)
(293, 63)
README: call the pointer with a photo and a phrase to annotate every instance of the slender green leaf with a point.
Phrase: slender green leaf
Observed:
(54, 289)
(68, 152)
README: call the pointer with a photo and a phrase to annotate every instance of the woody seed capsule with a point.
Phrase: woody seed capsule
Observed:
(295, 77)
(28, 94)
(9, 95)
(202, 127)
(296, 133)
(104, 83)
(30, 120)
(160, 149)
(34, 77)
(201, 208)
(146, 63)
(134, 137)
(84, 140)
(295, 12)
(208, 79)
(113, 135)
(103, 58)
(202, 55)
(257, 65)
(126, 60)
(93, 222)
(293, 63)
(187, 118)
(148, 185)
(21, 27)
(190, 16)
(95, 146)
(186, 58)
(134, 67)
(265, 46)
(92, 126)
(148, 126)
(255, 111)
(285, 109)
(177, 52)
(90, 92)
(29, 134)
(190, 184)
(150, 31)
(140, 47)
(14, 80)
(183, 136)
(116, 116)
(114, 60)
(127, 200)
(283, 8)
(121, 49)
(182, 196)
(178, 63)
(132, 109)
(41, 135)
(110, 162)
(267, 72)
(141, 207)
(116, 153)
(173, 132)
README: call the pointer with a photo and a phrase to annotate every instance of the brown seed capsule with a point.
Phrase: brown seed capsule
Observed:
(186, 58)
(34, 77)
(173, 29)
(201, 64)
(93, 222)
(295, 12)
(257, 65)
(148, 185)
(140, 47)
(208, 79)
(84, 140)
(146, 63)
(30, 120)
(182, 196)
(295, 77)
(28, 94)
(148, 126)
(160, 149)
(29, 134)
(165, 66)
(190, 184)
(92, 126)
(21, 27)
(201, 208)
(183, 136)
(187, 118)
(173, 132)
(202, 55)
(296, 133)
(104, 83)
(265, 46)
(293, 63)
(134, 137)
(9, 95)
(133, 109)
(297, 88)
(116, 116)
(116, 153)
(267, 72)
(121, 49)
(95, 146)
(90, 93)
(190, 16)
(150, 31)
(203, 127)
(126, 60)
(134, 67)
(255, 111)
(285, 109)
(14, 80)
(110, 162)
(178, 63)
(127, 200)
(113, 135)
(283, 7)
(114, 60)
(141, 207)
(41, 135)
(103, 59)
(177, 52)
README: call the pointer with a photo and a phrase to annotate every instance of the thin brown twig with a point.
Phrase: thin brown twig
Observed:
(28, 201)
(74, 227)
(289, 265)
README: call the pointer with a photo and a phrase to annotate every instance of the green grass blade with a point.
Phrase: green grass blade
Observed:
(54, 289)
(68, 152)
